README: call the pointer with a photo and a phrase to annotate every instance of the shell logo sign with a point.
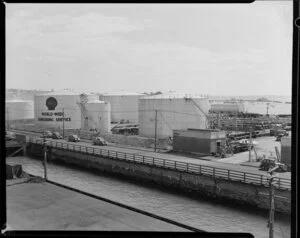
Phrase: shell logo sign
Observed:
(51, 104)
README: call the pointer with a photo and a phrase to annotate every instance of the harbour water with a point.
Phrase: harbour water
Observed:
(211, 216)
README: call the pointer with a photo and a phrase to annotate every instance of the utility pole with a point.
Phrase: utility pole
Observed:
(155, 132)
(236, 121)
(45, 158)
(272, 207)
(249, 146)
(63, 111)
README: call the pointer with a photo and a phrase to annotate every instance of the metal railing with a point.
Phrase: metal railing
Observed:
(231, 175)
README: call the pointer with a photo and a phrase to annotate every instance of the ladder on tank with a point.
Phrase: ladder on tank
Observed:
(207, 121)
(84, 114)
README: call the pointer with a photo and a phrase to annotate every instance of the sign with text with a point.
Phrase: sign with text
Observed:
(49, 116)
(53, 116)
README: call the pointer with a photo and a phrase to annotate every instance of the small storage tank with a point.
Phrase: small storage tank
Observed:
(97, 116)
(124, 105)
(172, 112)
(19, 110)
(227, 108)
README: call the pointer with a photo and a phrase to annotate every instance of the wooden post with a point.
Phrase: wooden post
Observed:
(45, 159)
(7, 112)
(249, 147)
(271, 216)
(155, 131)
(63, 111)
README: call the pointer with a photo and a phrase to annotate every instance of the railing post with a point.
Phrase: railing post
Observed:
(214, 172)
(228, 174)
(261, 180)
(126, 157)
(278, 182)
(175, 165)
(152, 160)
(143, 159)
(93, 150)
(133, 158)
(164, 163)
(187, 167)
(108, 153)
(117, 155)
(200, 168)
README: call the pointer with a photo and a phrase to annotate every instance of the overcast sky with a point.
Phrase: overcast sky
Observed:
(226, 49)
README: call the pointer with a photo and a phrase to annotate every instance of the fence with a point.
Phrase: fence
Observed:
(232, 175)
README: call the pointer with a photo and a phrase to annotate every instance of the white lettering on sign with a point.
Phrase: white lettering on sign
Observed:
(51, 118)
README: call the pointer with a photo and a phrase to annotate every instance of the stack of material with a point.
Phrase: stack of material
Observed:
(13, 171)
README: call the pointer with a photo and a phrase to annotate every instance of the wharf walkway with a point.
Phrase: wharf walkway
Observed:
(181, 158)
(226, 171)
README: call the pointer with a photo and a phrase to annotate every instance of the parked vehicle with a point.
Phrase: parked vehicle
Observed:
(47, 134)
(99, 141)
(238, 147)
(73, 138)
(56, 135)
(269, 163)
(278, 132)
(10, 135)
(278, 137)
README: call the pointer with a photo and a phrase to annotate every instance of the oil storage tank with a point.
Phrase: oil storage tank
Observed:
(230, 108)
(49, 109)
(124, 105)
(19, 110)
(161, 114)
(97, 116)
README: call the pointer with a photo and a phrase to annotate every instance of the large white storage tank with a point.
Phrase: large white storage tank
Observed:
(49, 108)
(174, 112)
(227, 107)
(124, 105)
(19, 110)
(97, 116)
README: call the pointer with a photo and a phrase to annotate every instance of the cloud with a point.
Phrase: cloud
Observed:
(66, 36)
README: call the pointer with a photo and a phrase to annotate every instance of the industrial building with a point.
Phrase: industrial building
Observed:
(198, 141)
(160, 114)
(19, 110)
(124, 106)
(70, 110)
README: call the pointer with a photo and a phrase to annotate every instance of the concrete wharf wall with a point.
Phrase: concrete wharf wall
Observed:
(249, 194)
